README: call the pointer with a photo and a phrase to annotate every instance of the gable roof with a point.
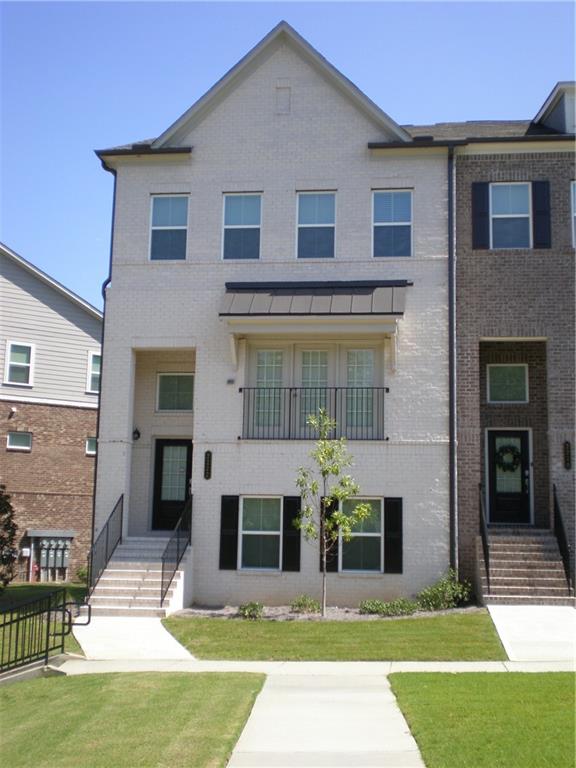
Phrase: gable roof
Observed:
(559, 90)
(282, 33)
(43, 277)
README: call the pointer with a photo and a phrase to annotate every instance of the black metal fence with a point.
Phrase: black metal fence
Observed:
(34, 630)
(281, 413)
(106, 542)
(175, 548)
(563, 542)
(484, 535)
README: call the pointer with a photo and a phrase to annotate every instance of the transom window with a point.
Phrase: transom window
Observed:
(91, 446)
(364, 550)
(242, 215)
(19, 441)
(169, 228)
(510, 220)
(507, 383)
(316, 225)
(392, 212)
(94, 371)
(260, 533)
(175, 392)
(19, 364)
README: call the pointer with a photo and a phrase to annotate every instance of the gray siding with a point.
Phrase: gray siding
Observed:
(61, 331)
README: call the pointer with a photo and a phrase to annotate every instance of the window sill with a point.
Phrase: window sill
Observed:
(18, 384)
(19, 450)
(258, 572)
(362, 574)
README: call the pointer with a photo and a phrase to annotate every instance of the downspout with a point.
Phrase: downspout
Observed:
(453, 469)
(105, 285)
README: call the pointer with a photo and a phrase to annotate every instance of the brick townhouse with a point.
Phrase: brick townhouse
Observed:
(284, 245)
(50, 363)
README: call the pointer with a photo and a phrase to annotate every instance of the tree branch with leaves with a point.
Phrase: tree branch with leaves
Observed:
(8, 530)
(324, 489)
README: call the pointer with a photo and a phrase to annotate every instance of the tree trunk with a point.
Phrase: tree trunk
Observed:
(323, 545)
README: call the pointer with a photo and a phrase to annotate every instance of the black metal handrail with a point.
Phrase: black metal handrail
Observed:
(281, 413)
(562, 539)
(174, 551)
(34, 630)
(484, 535)
(106, 542)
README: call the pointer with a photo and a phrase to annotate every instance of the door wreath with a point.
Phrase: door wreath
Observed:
(508, 458)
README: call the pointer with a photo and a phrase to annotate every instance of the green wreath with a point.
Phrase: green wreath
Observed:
(508, 458)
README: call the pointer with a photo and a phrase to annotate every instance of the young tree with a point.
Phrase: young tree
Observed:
(324, 489)
(7, 538)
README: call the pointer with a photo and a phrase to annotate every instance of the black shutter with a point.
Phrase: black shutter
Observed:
(480, 214)
(331, 557)
(291, 535)
(392, 535)
(229, 533)
(541, 229)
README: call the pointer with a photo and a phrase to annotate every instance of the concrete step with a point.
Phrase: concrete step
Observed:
(126, 592)
(513, 599)
(519, 589)
(125, 602)
(112, 610)
(518, 557)
(520, 568)
(513, 582)
(134, 565)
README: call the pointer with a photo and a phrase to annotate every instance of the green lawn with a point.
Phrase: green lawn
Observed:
(457, 637)
(495, 720)
(16, 594)
(125, 720)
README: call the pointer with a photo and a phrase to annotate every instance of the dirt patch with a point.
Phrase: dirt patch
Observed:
(283, 613)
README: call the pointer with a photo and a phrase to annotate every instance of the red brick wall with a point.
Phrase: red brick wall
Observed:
(52, 485)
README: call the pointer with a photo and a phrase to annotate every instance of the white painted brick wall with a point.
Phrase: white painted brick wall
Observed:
(242, 145)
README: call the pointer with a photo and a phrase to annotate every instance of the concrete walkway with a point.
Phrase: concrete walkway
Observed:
(536, 632)
(337, 721)
(129, 638)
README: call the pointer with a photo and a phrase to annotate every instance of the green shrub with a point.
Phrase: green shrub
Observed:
(305, 604)
(82, 574)
(447, 592)
(251, 611)
(399, 607)
(372, 606)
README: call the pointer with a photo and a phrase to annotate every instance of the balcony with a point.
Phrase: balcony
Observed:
(280, 413)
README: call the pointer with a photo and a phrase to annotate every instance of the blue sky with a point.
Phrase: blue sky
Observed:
(80, 76)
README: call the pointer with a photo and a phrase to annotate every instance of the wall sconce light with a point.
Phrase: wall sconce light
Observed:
(13, 412)
(567, 451)
(207, 465)
(136, 434)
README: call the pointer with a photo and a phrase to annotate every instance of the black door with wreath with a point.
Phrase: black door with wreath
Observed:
(509, 477)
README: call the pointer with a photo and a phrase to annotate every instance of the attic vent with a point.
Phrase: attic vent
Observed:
(283, 97)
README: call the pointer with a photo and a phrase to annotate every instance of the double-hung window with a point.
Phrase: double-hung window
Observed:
(19, 441)
(242, 216)
(94, 369)
(169, 228)
(19, 364)
(364, 550)
(392, 223)
(316, 225)
(260, 539)
(175, 392)
(510, 217)
(507, 383)
(91, 444)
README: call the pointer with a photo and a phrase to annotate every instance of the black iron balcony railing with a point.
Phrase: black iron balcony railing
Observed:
(281, 413)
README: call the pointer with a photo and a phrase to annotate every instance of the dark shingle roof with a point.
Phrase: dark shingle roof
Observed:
(478, 129)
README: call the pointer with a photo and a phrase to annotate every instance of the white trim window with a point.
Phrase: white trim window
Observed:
(91, 445)
(392, 223)
(510, 215)
(94, 370)
(19, 441)
(365, 551)
(241, 228)
(19, 369)
(168, 227)
(260, 539)
(316, 225)
(573, 199)
(507, 383)
(175, 392)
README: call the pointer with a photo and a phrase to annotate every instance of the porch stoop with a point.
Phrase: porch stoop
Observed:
(525, 569)
(130, 585)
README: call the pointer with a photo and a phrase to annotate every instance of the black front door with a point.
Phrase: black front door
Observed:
(509, 476)
(172, 471)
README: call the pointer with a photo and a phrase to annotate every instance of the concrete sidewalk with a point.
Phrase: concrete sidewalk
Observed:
(341, 721)
(536, 632)
(129, 638)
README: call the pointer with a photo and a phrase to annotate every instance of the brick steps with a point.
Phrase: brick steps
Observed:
(525, 569)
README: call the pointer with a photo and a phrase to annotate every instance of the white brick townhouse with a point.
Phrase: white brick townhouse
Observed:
(267, 261)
